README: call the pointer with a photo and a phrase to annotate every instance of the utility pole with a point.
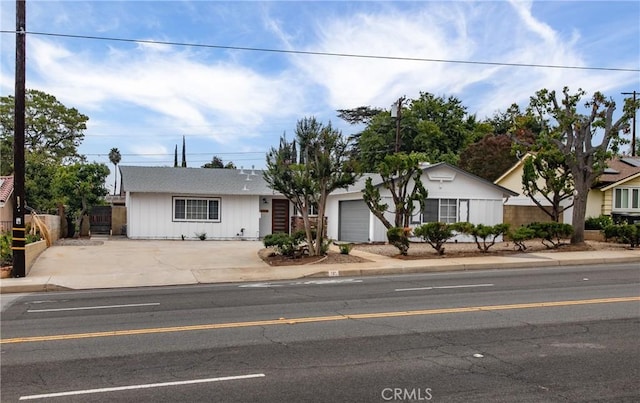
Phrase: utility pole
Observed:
(396, 112)
(18, 230)
(633, 123)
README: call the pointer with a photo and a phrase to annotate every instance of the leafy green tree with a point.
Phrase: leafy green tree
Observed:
(439, 127)
(547, 176)
(435, 234)
(216, 162)
(39, 191)
(52, 130)
(81, 186)
(114, 158)
(400, 174)
(307, 176)
(573, 135)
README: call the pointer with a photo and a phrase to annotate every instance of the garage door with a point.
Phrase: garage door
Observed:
(354, 221)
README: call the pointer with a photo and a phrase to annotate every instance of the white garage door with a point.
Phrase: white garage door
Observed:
(354, 221)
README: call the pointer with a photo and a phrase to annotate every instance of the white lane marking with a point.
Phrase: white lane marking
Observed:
(444, 287)
(144, 386)
(83, 308)
(259, 285)
(309, 282)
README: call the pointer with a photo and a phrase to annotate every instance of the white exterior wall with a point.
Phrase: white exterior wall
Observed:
(485, 201)
(149, 216)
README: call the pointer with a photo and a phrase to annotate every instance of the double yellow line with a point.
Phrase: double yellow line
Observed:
(315, 319)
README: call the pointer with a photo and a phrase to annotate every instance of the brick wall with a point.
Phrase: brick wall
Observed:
(297, 224)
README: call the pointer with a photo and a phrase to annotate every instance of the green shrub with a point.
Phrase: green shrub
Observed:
(597, 223)
(6, 254)
(520, 235)
(345, 248)
(435, 234)
(623, 233)
(551, 233)
(484, 235)
(285, 244)
(399, 238)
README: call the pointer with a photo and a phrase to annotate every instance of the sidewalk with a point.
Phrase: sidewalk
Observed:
(116, 263)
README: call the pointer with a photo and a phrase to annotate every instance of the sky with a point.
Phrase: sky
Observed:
(259, 67)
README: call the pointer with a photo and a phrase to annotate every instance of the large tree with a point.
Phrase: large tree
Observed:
(400, 174)
(437, 126)
(80, 186)
(52, 130)
(575, 135)
(308, 169)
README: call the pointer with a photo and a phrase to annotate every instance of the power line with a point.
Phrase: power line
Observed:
(334, 54)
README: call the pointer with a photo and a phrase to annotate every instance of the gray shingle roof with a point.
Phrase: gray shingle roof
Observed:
(193, 181)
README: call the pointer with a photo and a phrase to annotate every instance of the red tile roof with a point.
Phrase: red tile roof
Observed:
(6, 188)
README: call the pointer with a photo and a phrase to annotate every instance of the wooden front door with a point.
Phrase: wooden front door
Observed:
(280, 216)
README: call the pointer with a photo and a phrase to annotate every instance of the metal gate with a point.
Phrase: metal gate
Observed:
(100, 220)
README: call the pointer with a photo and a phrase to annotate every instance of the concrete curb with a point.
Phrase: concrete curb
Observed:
(383, 267)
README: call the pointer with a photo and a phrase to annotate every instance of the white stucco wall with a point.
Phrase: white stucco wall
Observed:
(149, 216)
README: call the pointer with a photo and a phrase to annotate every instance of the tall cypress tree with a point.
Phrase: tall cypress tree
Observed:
(184, 154)
(175, 157)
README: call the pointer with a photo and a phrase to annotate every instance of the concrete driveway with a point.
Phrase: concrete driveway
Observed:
(124, 262)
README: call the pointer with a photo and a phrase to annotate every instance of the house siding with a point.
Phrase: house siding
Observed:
(443, 182)
(607, 207)
(151, 217)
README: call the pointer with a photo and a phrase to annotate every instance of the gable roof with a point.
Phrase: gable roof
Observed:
(6, 188)
(515, 166)
(377, 180)
(504, 190)
(193, 181)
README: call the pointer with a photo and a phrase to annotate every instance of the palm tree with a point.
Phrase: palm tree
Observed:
(114, 157)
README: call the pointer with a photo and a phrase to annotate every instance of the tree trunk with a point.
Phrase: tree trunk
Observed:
(579, 212)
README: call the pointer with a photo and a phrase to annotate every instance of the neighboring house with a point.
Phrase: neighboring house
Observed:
(6, 203)
(521, 210)
(169, 203)
(617, 193)
(454, 196)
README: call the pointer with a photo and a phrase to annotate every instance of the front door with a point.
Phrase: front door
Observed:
(280, 216)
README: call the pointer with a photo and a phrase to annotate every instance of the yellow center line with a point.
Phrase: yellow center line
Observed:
(314, 319)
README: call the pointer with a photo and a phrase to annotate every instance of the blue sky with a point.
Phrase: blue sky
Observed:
(142, 98)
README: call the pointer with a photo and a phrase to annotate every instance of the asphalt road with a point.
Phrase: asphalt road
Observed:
(561, 334)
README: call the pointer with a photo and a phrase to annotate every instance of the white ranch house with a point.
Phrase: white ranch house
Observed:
(171, 203)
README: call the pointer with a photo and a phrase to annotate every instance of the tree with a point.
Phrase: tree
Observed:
(400, 174)
(489, 157)
(114, 158)
(175, 157)
(307, 176)
(216, 162)
(51, 129)
(546, 174)
(436, 126)
(80, 186)
(573, 134)
(184, 154)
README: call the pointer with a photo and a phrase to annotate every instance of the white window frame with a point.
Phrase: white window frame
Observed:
(444, 203)
(626, 199)
(187, 215)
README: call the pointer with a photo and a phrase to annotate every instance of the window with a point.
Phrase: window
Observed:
(196, 209)
(311, 211)
(626, 198)
(441, 210)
